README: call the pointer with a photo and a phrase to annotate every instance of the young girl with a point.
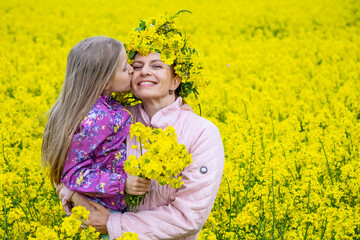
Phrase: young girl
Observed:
(84, 139)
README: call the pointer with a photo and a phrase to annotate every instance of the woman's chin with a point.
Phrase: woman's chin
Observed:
(143, 96)
(145, 93)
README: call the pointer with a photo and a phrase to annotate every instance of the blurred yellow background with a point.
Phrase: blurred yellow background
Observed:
(284, 92)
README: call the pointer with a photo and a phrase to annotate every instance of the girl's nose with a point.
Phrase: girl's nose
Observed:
(131, 70)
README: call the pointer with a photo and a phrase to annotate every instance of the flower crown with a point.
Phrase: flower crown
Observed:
(162, 36)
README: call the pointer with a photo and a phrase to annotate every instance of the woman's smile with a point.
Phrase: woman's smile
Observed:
(146, 83)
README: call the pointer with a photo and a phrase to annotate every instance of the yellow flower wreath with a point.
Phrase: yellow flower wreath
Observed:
(162, 36)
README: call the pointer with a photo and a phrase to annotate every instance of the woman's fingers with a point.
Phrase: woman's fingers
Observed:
(98, 217)
(97, 206)
(79, 200)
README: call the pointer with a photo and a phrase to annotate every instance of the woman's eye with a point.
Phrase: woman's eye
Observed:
(136, 67)
(157, 66)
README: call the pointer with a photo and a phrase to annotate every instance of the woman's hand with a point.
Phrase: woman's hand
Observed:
(98, 218)
(137, 185)
(78, 200)
(99, 215)
(186, 107)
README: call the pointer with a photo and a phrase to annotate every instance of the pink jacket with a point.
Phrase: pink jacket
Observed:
(169, 213)
(177, 213)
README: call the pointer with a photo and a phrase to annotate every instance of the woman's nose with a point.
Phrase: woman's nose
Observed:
(145, 70)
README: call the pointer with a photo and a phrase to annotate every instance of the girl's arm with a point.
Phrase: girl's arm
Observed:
(94, 153)
(133, 185)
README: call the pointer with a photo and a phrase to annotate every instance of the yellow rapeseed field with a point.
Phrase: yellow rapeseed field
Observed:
(284, 92)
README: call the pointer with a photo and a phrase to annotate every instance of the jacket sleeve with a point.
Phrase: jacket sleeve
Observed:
(82, 170)
(190, 206)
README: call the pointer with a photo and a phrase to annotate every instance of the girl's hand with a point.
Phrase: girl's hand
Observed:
(65, 196)
(137, 185)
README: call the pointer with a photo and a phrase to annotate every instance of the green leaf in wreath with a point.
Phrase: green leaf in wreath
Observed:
(132, 54)
(142, 26)
(181, 11)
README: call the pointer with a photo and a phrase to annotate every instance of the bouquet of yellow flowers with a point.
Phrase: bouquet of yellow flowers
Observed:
(163, 160)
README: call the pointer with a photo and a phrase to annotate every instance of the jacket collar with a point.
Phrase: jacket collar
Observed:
(163, 118)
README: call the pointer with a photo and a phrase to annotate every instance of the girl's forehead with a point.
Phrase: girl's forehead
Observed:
(122, 58)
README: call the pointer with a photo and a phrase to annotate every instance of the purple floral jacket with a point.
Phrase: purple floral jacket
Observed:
(95, 159)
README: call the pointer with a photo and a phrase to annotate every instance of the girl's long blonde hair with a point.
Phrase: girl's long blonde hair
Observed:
(90, 67)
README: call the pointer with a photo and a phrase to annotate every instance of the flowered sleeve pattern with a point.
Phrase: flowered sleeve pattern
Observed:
(94, 162)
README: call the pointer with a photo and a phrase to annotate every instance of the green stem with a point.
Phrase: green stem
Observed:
(249, 179)
(5, 216)
(348, 136)
(327, 162)
(136, 205)
(248, 187)
(25, 212)
(323, 229)
(284, 154)
(308, 203)
(246, 114)
(23, 209)
(261, 226)
(198, 104)
(230, 204)
(308, 210)
(3, 150)
(273, 193)
(84, 229)
(140, 146)
(18, 229)
(282, 233)
(306, 230)
(272, 123)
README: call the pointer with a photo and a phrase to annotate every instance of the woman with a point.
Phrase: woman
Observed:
(166, 213)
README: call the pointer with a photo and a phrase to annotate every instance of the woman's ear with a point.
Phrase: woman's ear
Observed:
(175, 82)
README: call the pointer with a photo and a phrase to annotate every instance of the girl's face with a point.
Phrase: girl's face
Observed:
(123, 73)
(152, 78)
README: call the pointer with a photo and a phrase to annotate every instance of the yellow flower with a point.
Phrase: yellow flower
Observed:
(128, 236)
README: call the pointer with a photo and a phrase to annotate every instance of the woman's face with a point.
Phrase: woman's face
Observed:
(123, 73)
(152, 78)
